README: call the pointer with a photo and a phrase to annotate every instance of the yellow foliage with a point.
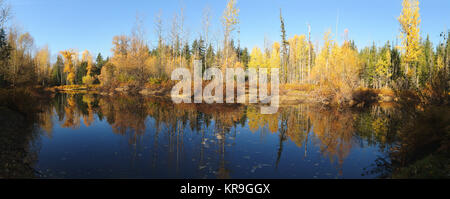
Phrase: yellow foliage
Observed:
(230, 16)
(320, 70)
(69, 68)
(275, 59)
(410, 30)
(337, 69)
(256, 59)
(87, 57)
(42, 60)
(258, 121)
(382, 67)
(298, 56)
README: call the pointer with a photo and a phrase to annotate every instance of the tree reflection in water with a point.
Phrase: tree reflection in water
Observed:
(209, 138)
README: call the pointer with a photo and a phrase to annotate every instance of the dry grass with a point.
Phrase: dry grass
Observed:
(386, 92)
(75, 87)
(298, 87)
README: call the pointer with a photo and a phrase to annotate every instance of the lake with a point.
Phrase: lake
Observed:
(91, 136)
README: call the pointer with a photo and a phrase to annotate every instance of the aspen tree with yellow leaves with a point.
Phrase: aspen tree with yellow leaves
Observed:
(69, 67)
(410, 34)
(275, 59)
(321, 69)
(230, 21)
(86, 57)
(298, 58)
(256, 59)
(337, 71)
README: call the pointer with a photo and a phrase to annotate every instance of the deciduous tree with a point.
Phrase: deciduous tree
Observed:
(410, 33)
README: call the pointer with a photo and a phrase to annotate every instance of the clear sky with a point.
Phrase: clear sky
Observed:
(91, 24)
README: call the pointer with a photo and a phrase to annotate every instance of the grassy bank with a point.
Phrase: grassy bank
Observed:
(289, 93)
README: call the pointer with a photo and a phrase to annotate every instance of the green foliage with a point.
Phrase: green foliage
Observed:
(58, 78)
(383, 70)
(210, 56)
(396, 64)
(186, 52)
(430, 167)
(369, 57)
(88, 80)
(199, 50)
(425, 65)
(99, 63)
(81, 72)
(245, 57)
(5, 53)
(156, 81)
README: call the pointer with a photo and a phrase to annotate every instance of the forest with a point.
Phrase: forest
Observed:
(332, 73)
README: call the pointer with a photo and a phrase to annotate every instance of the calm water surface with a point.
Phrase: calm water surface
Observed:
(91, 136)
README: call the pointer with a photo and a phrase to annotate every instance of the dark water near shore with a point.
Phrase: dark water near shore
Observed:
(91, 136)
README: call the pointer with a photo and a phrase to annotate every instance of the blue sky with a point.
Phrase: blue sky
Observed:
(91, 24)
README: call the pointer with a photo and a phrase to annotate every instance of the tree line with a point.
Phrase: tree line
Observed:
(332, 67)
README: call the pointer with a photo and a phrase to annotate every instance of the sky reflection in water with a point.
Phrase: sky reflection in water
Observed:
(90, 136)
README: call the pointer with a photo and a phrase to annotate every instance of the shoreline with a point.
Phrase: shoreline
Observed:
(289, 94)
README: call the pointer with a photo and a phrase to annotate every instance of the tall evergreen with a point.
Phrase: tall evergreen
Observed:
(58, 78)
(186, 52)
(5, 52)
(284, 50)
(99, 62)
(210, 56)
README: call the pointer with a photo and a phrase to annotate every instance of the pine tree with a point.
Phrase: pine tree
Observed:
(57, 72)
(396, 64)
(245, 58)
(284, 51)
(187, 52)
(210, 56)
(99, 63)
(425, 65)
(5, 53)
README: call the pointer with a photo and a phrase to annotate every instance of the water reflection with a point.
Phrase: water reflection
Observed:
(86, 135)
